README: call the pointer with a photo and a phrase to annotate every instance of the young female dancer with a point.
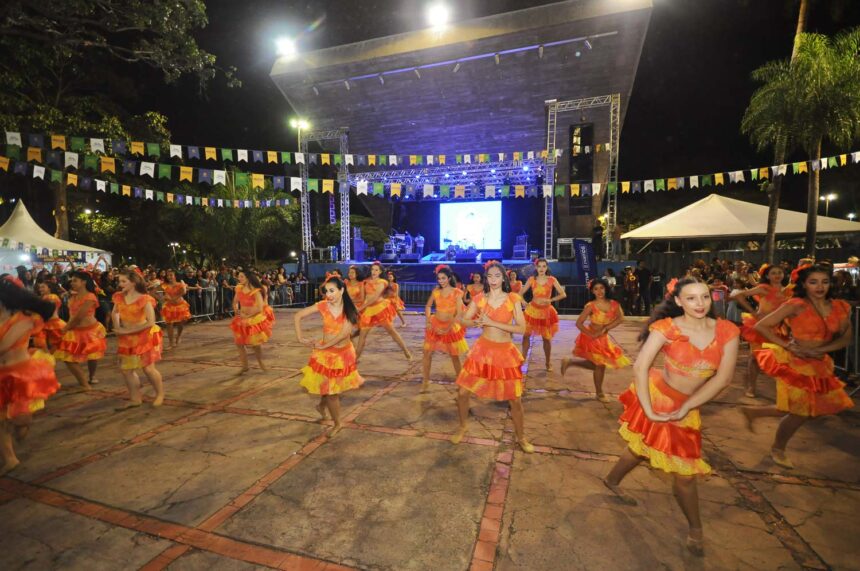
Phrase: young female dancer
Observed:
(594, 343)
(331, 369)
(83, 338)
(769, 294)
(139, 339)
(541, 317)
(805, 384)
(54, 325)
(251, 325)
(393, 295)
(661, 421)
(492, 367)
(475, 287)
(175, 310)
(516, 284)
(26, 378)
(443, 332)
(355, 286)
(378, 311)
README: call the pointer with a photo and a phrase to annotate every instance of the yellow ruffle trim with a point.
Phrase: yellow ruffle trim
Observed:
(661, 460)
(314, 382)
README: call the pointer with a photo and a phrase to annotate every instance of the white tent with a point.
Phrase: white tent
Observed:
(719, 217)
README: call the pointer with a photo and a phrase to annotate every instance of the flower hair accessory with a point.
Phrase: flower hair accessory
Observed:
(440, 267)
(138, 271)
(795, 273)
(763, 267)
(670, 288)
(489, 263)
(330, 275)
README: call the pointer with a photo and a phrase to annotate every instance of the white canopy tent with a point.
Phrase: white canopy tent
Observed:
(720, 217)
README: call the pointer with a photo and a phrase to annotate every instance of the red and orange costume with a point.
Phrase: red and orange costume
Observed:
(141, 349)
(674, 446)
(254, 330)
(393, 295)
(25, 385)
(331, 371)
(541, 319)
(54, 326)
(446, 336)
(601, 350)
(475, 291)
(85, 343)
(767, 303)
(516, 286)
(355, 289)
(492, 369)
(175, 308)
(806, 386)
(381, 311)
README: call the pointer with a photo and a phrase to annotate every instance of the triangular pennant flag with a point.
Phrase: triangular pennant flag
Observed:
(149, 194)
(707, 180)
(147, 169)
(71, 160)
(108, 164)
(241, 179)
(718, 179)
(694, 182)
(129, 166)
(445, 190)
(547, 191)
(393, 160)
(204, 176)
(91, 162)
(783, 168)
(126, 190)
(361, 188)
(489, 191)
(843, 160)
(271, 157)
(313, 185)
(802, 167)
(4, 164)
(430, 159)
(219, 177)
(349, 159)
(114, 188)
(35, 154)
(58, 142)
(278, 182)
(164, 171)
(300, 158)
(754, 174)
(97, 145)
(815, 164)
(649, 186)
(660, 184)
(672, 183)
(559, 190)
(519, 191)
(855, 157)
(595, 188)
(159, 196)
(625, 187)
(338, 159)
(440, 159)
(100, 185)
(295, 183)
(428, 191)
(118, 147)
(467, 159)
(241, 155)
(257, 181)
(13, 138)
(575, 190)
(153, 150)
(378, 189)
(39, 172)
(396, 188)
(460, 191)
(77, 144)
(176, 151)
(325, 159)
(637, 186)
(210, 154)
(185, 173)
(328, 185)
(137, 147)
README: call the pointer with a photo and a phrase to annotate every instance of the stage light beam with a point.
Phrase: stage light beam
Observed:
(286, 47)
(438, 15)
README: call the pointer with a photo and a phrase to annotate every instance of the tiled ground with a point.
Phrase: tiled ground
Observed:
(236, 472)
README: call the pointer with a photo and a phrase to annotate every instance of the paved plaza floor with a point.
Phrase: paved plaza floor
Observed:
(236, 472)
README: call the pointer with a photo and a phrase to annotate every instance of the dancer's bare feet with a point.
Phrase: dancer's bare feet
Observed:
(549, 366)
(780, 459)
(748, 418)
(322, 410)
(333, 432)
(130, 405)
(457, 437)
(21, 432)
(526, 446)
(603, 398)
(619, 494)
(749, 393)
(159, 400)
(94, 381)
(244, 370)
(696, 542)
(425, 386)
(565, 363)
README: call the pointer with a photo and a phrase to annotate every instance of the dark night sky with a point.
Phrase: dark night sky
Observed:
(691, 88)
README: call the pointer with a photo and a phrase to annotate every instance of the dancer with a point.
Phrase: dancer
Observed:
(475, 287)
(331, 368)
(661, 421)
(139, 339)
(355, 286)
(516, 284)
(492, 367)
(594, 343)
(175, 310)
(251, 325)
(541, 317)
(83, 338)
(392, 293)
(443, 332)
(377, 311)
(805, 384)
(769, 294)
(27, 377)
(54, 325)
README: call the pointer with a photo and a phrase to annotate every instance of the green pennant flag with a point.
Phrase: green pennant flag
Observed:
(241, 179)
(612, 187)
(77, 144)
(114, 188)
(707, 180)
(420, 159)
(56, 176)
(382, 159)
(832, 162)
(754, 173)
(660, 184)
(313, 185)
(795, 168)
(458, 159)
(505, 191)
(338, 159)
(164, 171)
(378, 188)
(226, 154)
(560, 190)
(159, 196)
(13, 152)
(196, 201)
(91, 162)
(285, 157)
(445, 190)
(153, 150)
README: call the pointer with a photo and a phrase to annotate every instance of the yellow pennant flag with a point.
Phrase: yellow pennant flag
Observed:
(58, 142)
(108, 164)
(169, 196)
(257, 203)
(272, 157)
(395, 189)
(441, 159)
(801, 167)
(519, 191)
(235, 204)
(764, 172)
(413, 160)
(371, 160)
(325, 159)
(459, 191)
(185, 173)
(4, 164)
(543, 154)
(126, 190)
(518, 155)
(137, 147)
(35, 154)
(672, 183)
(843, 160)
(209, 153)
(328, 186)
(257, 180)
(574, 190)
(625, 187)
(718, 179)
(71, 179)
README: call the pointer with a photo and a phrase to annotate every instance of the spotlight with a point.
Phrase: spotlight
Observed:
(438, 15)
(286, 47)
(464, 173)
(578, 53)
(87, 211)
(447, 175)
(851, 216)
(588, 45)
(457, 67)
(24, 257)
(526, 167)
(381, 79)
(417, 73)
(493, 171)
(346, 84)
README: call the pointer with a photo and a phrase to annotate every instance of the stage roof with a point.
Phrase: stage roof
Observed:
(719, 217)
(21, 227)
(590, 48)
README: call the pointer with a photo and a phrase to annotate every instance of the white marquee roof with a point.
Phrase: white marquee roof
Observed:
(20, 227)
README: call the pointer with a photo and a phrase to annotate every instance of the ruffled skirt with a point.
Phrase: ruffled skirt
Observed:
(674, 447)
(377, 314)
(541, 320)
(25, 386)
(252, 331)
(176, 312)
(492, 370)
(805, 387)
(331, 371)
(397, 303)
(600, 351)
(82, 344)
(53, 331)
(140, 349)
(445, 337)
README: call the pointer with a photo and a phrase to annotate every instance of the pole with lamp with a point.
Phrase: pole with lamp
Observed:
(300, 125)
(826, 198)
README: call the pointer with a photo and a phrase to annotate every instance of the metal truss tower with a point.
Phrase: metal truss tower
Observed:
(341, 135)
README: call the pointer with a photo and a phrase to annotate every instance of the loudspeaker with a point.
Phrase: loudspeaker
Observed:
(491, 255)
(409, 259)
(390, 258)
(466, 258)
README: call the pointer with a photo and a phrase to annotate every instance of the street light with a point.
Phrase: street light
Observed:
(438, 15)
(173, 246)
(286, 47)
(299, 124)
(826, 199)
(87, 211)
(851, 216)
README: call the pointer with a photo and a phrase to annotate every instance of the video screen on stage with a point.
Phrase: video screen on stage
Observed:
(467, 225)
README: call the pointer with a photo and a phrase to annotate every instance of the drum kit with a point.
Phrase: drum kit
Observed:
(459, 248)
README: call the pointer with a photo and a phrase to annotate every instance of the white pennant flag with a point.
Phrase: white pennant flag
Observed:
(501, 157)
(247, 204)
(392, 159)
(219, 177)
(558, 153)
(13, 138)
(295, 183)
(349, 159)
(428, 190)
(694, 182)
(547, 191)
(782, 169)
(429, 159)
(242, 155)
(361, 187)
(71, 160)
(530, 155)
(97, 145)
(595, 188)
(649, 186)
(220, 203)
(189, 199)
(100, 185)
(587, 149)
(855, 157)
(176, 151)
(300, 157)
(467, 159)
(147, 168)
(38, 172)
(607, 146)
(148, 194)
(489, 191)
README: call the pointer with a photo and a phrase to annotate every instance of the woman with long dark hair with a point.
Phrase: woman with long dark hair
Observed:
(175, 310)
(331, 369)
(251, 325)
(594, 343)
(805, 384)
(355, 286)
(475, 287)
(541, 317)
(392, 293)
(443, 331)
(377, 311)
(661, 422)
(49, 292)
(770, 293)
(83, 338)
(27, 378)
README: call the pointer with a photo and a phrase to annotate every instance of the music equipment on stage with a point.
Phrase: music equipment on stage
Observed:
(358, 245)
(491, 255)
(409, 259)
(521, 247)
(466, 258)
(388, 257)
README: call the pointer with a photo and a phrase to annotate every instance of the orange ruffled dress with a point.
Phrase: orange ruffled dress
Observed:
(25, 385)
(141, 349)
(175, 311)
(355, 289)
(254, 330)
(807, 387)
(601, 350)
(393, 295)
(767, 303)
(541, 319)
(381, 311)
(492, 369)
(331, 371)
(446, 336)
(674, 446)
(82, 344)
(54, 326)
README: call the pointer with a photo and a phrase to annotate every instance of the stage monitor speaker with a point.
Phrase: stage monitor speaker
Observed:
(466, 258)
(488, 255)
(390, 258)
(409, 259)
